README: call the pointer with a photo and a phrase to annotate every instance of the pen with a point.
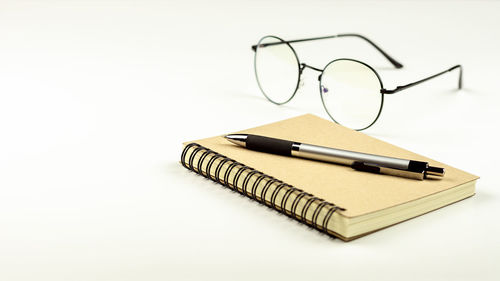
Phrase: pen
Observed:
(359, 161)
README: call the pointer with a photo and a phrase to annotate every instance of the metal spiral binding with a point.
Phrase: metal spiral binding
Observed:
(241, 168)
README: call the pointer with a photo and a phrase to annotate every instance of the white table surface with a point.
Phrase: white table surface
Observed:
(96, 98)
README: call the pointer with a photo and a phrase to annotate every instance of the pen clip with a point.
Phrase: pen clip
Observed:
(372, 168)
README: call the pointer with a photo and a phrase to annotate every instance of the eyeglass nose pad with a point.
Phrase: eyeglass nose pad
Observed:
(324, 89)
(301, 83)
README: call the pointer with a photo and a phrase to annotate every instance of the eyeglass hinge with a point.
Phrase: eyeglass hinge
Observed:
(385, 91)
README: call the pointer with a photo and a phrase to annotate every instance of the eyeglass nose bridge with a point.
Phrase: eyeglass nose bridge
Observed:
(303, 66)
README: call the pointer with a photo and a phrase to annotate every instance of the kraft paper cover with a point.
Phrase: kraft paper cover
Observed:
(358, 192)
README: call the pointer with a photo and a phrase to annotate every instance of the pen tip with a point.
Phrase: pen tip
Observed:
(238, 139)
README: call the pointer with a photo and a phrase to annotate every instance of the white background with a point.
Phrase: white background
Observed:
(96, 98)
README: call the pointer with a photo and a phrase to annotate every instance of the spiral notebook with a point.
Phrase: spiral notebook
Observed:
(334, 199)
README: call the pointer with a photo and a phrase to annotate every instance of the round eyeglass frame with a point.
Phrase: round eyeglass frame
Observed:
(257, 76)
(379, 80)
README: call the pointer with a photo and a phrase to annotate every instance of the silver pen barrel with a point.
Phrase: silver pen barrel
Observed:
(346, 157)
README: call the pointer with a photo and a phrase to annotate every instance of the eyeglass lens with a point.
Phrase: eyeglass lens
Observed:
(276, 69)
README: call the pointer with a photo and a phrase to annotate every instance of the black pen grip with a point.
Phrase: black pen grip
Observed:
(269, 145)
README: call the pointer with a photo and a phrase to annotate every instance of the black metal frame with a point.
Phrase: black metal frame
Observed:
(394, 62)
(302, 66)
(400, 88)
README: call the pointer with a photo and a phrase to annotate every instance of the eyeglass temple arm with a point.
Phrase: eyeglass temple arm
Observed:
(392, 60)
(400, 88)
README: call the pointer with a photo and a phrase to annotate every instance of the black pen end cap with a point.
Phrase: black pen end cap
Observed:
(432, 171)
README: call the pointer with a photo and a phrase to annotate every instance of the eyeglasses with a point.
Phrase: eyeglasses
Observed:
(351, 91)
